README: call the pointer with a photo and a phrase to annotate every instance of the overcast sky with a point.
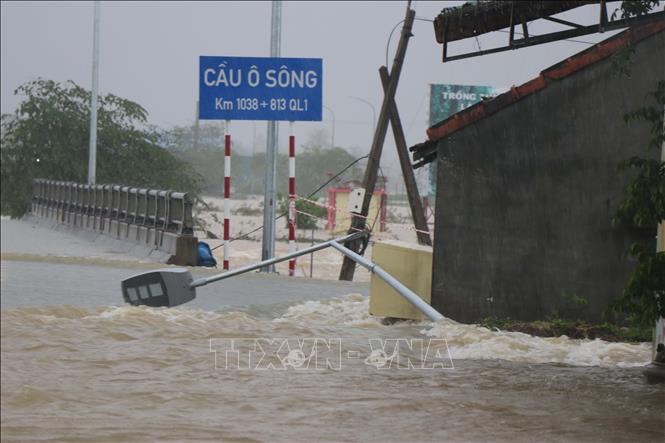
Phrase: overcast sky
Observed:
(149, 54)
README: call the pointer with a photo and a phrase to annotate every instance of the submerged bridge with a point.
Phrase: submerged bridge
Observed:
(155, 219)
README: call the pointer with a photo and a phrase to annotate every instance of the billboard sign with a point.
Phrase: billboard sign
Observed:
(260, 88)
(448, 100)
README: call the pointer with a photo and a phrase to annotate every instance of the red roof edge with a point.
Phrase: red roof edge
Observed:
(559, 71)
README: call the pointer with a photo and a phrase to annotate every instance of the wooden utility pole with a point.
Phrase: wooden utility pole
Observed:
(412, 193)
(369, 179)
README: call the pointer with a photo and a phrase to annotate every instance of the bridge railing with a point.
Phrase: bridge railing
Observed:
(161, 220)
(98, 206)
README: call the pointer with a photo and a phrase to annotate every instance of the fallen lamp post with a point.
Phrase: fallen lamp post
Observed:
(175, 286)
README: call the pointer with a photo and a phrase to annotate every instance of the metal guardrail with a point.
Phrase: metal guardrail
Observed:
(167, 211)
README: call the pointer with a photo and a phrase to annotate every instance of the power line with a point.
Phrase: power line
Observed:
(311, 194)
(390, 36)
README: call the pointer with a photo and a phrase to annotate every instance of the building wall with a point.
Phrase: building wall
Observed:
(525, 198)
(340, 218)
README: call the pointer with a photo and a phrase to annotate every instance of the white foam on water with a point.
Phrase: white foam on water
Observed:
(349, 310)
(191, 317)
(464, 341)
(477, 342)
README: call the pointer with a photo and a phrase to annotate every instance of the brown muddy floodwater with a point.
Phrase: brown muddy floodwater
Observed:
(120, 374)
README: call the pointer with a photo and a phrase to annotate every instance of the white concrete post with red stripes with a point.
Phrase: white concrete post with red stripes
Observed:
(292, 199)
(227, 193)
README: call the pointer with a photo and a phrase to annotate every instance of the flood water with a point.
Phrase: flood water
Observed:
(77, 365)
(118, 373)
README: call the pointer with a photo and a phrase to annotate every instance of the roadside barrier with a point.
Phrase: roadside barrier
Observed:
(155, 218)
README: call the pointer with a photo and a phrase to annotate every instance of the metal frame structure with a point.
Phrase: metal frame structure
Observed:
(514, 16)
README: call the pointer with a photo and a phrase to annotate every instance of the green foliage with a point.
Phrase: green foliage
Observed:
(632, 8)
(304, 221)
(621, 60)
(315, 165)
(643, 298)
(635, 333)
(577, 329)
(644, 205)
(209, 166)
(576, 300)
(629, 9)
(48, 137)
(185, 138)
(653, 115)
(495, 323)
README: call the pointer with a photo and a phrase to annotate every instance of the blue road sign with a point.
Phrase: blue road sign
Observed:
(260, 88)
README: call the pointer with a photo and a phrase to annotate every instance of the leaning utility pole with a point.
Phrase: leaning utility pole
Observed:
(417, 212)
(369, 179)
(268, 242)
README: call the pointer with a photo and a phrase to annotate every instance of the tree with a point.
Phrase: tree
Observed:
(315, 164)
(313, 161)
(48, 137)
(208, 137)
(318, 138)
(643, 298)
(308, 214)
(632, 8)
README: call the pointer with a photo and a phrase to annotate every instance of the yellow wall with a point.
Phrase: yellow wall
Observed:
(412, 266)
(343, 215)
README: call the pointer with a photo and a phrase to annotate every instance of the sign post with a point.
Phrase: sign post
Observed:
(227, 194)
(272, 147)
(292, 199)
(261, 88)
